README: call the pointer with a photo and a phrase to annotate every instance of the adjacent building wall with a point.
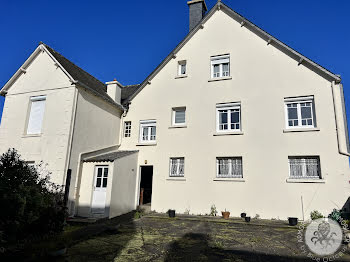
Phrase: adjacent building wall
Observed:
(87, 188)
(97, 125)
(124, 185)
(262, 77)
(42, 77)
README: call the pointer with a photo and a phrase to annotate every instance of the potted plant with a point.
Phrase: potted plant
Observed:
(171, 212)
(293, 221)
(243, 215)
(247, 219)
(225, 214)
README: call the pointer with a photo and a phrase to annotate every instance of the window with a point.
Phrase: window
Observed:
(304, 167)
(127, 128)
(177, 167)
(228, 117)
(182, 68)
(101, 177)
(300, 113)
(36, 115)
(220, 66)
(229, 167)
(148, 131)
(179, 116)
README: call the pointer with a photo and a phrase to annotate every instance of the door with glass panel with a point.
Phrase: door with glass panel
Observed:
(100, 190)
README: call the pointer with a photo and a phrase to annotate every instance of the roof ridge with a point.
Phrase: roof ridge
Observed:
(51, 49)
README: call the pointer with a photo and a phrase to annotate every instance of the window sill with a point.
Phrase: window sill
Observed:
(31, 135)
(146, 144)
(176, 179)
(300, 130)
(180, 76)
(178, 126)
(229, 179)
(228, 133)
(305, 180)
(220, 78)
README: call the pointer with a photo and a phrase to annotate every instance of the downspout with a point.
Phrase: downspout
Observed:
(337, 118)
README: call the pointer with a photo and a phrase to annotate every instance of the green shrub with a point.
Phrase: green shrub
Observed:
(315, 215)
(32, 206)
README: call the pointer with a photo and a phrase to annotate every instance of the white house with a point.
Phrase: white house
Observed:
(232, 117)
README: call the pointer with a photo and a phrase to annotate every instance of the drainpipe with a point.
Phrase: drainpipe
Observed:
(337, 105)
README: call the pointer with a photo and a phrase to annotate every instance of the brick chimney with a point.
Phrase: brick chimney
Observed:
(197, 11)
(114, 90)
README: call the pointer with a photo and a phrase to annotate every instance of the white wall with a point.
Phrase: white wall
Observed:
(124, 185)
(87, 188)
(97, 125)
(42, 77)
(262, 77)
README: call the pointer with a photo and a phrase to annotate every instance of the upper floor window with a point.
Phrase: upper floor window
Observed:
(177, 167)
(220, 66)
(228, 117)
(36, 115)
(182, 69)
(304, 167)
(300, 113)
(229, 167)
(148, 131)
(127, 128)
(179, 116)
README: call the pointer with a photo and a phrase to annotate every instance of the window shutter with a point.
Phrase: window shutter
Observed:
(36, 115)
(180, 117)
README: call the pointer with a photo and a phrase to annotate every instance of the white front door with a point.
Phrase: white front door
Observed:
(100, 190)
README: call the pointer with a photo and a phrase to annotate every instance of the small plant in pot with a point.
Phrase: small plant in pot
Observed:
(243, 215)
(247, 219)
(225, 214)
(293, 221)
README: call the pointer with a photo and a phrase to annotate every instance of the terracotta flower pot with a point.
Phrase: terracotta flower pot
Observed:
(225, 214)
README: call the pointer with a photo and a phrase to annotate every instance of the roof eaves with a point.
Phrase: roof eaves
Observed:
(110, 101)
(218, 6)
(175, 50)
(273, 41)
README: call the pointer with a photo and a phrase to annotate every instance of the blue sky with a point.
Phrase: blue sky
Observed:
(106, 37)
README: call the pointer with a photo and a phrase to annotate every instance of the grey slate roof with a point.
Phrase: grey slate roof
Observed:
(84, 78)
(128, 91)
(110, 157)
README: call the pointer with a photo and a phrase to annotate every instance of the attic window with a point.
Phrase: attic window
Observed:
(220, 66)
(182, 70)
(36, 115)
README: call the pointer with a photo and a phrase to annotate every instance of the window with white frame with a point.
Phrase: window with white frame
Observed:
(228, 117)
(300, 113)
(229, 167)
(177, 167)
(179, 116)
(220, 66)
(127, 128)
(182, 68)
(148, 131)
(36, 115)
(101, 176)
(304, 167)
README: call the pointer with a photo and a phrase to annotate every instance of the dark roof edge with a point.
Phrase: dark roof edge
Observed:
(217, 6)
